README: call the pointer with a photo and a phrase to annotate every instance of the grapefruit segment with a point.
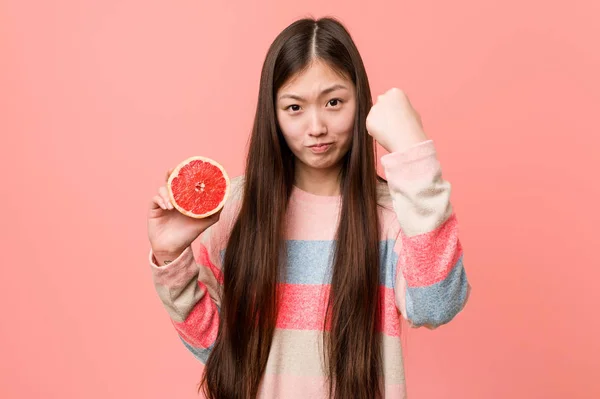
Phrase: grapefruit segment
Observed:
(198, 187)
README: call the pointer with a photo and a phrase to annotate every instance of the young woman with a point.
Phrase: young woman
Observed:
(298, 289)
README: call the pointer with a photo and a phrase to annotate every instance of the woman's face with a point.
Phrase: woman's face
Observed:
(315, 111)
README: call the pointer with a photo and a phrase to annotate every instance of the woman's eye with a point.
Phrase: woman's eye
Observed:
(294, 107)
(334, 102)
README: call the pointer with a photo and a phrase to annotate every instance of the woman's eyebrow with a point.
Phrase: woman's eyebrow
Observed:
(328, 90)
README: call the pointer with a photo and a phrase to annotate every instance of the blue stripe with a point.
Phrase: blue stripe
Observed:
(310, 262)
(199, 353)
(388, 259)
(438, 303)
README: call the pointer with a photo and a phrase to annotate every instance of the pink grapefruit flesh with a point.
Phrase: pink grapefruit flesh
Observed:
(198, 187)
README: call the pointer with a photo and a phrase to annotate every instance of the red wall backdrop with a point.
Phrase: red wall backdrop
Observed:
(98, 99)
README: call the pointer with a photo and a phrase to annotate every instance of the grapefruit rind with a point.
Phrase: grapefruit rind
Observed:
(175, 173)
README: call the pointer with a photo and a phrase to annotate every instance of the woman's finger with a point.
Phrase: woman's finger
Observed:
(157, 202)
(164, 194)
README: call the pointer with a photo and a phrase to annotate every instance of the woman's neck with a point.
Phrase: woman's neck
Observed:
(324, 182)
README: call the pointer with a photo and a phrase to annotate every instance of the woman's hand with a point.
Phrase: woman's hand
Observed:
(171, 232)
(394, 123)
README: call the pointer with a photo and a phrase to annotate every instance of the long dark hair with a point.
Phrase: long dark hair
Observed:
(254, 250)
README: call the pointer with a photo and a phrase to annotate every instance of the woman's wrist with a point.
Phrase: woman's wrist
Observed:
(165, 257)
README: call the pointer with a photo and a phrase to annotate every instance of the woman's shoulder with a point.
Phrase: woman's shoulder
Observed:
(236, 189)
(217, 235)
(234, 198)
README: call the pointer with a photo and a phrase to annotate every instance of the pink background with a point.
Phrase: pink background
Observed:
(99, 98)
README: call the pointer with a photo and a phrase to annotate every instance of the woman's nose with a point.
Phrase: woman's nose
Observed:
(317, 126)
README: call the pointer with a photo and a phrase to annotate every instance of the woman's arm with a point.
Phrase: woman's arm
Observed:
(431, 285)
(189, 291)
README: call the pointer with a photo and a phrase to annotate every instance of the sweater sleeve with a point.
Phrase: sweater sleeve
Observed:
(431, 285)
(190, 290)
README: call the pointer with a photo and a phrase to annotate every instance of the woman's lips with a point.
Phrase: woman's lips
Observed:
(320, 148)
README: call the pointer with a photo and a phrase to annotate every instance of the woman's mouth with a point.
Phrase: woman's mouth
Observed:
(320, 148)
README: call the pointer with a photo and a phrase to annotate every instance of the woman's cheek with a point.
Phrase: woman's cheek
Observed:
(292, 131)
(343, 123)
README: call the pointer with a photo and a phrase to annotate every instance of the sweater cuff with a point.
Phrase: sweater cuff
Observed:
(181, 268)
(412, 163)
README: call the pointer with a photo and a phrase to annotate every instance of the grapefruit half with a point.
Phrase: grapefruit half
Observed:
(198, 187)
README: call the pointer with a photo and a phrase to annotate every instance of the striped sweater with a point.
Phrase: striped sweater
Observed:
(422, 275)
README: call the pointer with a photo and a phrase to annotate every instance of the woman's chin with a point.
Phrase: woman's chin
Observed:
(321, 164)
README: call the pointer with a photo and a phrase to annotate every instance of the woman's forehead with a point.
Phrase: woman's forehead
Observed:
(317, 79)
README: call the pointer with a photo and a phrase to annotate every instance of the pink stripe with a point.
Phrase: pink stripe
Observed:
(204, 260)
(202, 324)
(391, 316)
(302, 307)
(428, 258)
